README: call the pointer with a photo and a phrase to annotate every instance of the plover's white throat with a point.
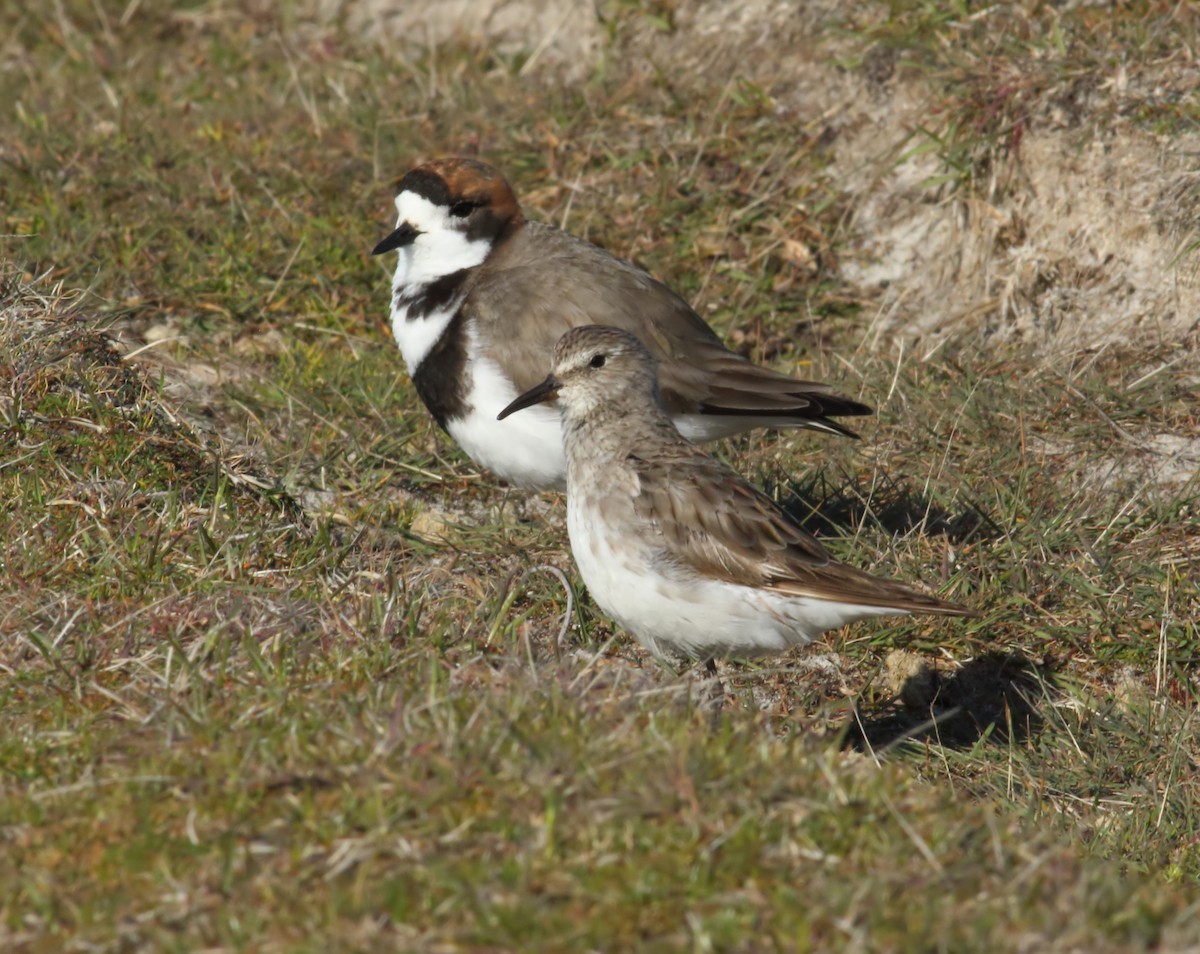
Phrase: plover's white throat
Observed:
(480, 296)
(674, 545)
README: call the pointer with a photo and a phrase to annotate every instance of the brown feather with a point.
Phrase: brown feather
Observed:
(720, 526)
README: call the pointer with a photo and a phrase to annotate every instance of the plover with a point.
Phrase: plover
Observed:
(680, 550)
(480, 296)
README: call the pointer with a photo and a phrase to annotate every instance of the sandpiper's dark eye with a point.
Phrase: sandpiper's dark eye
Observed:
(597, 361)
(460, 210)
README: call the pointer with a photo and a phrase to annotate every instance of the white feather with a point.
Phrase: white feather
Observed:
(418, 335)
(440, 250)
(525, 448)
(675, 612)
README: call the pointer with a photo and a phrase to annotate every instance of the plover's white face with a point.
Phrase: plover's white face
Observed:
(442, 245)
(451, 214)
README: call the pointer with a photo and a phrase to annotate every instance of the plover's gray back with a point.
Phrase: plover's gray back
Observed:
(480, 296)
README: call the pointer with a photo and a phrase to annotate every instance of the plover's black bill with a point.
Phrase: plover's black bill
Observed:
(404, 235)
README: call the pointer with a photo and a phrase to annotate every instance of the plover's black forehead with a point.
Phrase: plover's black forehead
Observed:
(426, 183)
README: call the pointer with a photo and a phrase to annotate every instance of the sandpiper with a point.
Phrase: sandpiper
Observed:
(679, 549)
(480, 296)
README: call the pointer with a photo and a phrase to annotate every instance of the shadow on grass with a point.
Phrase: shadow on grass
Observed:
(996, 696)
(826, 508)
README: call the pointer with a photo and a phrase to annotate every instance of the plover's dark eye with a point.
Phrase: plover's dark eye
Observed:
(460, 210)
(597, 361)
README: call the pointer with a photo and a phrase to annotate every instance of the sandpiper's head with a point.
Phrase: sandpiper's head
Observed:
(452, 212)
(595, 365)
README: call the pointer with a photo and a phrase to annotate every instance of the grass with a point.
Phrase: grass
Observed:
(275, 669)
(1000, 71)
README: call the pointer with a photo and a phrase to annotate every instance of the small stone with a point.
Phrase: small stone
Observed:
(430, 526)
(910, 679)
(160, 332)
(1131, 690)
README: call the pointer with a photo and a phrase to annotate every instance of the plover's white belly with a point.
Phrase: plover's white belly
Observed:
(417, 336)
(701, 428)
(673, 612)
(526, 448)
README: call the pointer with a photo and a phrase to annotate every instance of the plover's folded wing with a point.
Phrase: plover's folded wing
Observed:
(564, 282)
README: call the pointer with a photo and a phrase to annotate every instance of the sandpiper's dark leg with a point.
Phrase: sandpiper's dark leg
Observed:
(713, 691)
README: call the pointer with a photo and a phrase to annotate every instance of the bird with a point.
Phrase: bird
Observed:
(481, 295)
(673, 544)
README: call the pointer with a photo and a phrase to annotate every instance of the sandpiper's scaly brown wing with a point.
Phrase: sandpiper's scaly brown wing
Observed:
(720, 526)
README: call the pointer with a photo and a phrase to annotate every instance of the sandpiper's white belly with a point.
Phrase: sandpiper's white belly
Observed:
(674, 612)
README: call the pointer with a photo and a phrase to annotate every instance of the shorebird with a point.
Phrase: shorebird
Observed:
(674, 545)
(480, 296)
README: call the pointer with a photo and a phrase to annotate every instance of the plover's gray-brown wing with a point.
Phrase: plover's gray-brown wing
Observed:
(720, 527)
(562, 282)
